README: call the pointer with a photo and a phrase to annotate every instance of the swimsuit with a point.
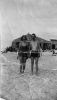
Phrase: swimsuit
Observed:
(35, 54)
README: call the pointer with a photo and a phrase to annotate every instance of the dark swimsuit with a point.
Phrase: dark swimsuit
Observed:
(35, 54)
(23, 53)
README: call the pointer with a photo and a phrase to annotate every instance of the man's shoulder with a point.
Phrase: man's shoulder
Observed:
(38, 41)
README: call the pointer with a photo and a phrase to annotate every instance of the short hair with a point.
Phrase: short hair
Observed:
(33, 35)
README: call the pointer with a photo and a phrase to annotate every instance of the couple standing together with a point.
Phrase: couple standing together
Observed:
(29, 50)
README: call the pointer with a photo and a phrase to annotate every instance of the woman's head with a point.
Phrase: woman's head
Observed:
(24, 38)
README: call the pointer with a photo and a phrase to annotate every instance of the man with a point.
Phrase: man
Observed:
(23, 53)
(35, 52)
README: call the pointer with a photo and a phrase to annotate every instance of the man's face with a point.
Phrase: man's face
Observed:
(33, 37)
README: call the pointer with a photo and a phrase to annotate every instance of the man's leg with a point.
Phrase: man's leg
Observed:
(32, 64)
(21, 64)
(21, 68)
(36, 63)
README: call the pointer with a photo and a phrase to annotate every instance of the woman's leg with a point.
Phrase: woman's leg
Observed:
(24, 64)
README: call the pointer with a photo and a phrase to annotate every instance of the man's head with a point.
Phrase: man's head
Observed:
(24, 38)
(33, 36)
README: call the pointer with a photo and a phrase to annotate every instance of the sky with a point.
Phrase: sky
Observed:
(18, 17)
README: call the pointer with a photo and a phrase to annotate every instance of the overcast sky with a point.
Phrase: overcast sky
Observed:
(19, 17)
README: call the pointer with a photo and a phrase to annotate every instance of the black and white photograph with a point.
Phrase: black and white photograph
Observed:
(28, 49)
